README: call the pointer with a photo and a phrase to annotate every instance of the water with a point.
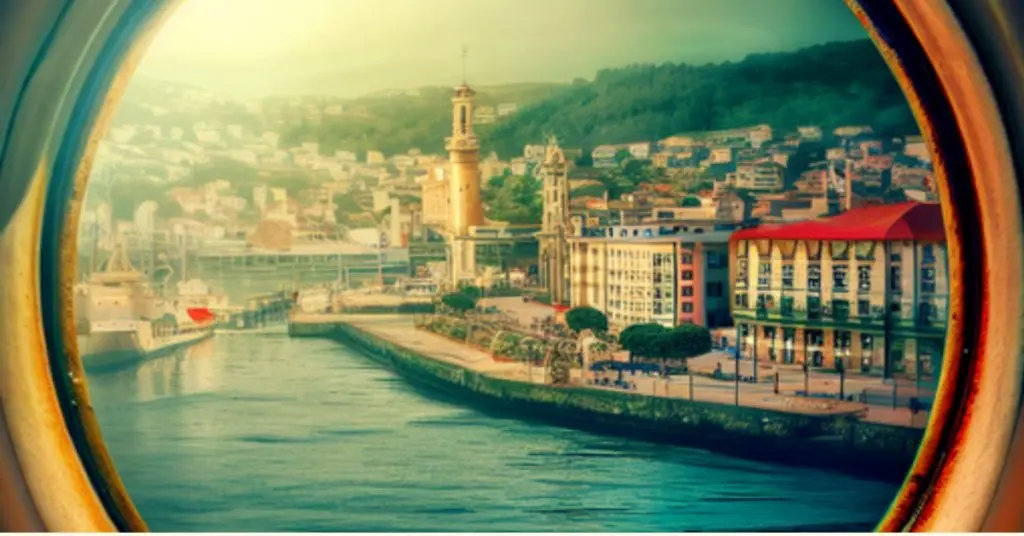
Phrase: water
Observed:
(266, 433)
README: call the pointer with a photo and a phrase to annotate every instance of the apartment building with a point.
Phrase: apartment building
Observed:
(868, 286)
(667, 273)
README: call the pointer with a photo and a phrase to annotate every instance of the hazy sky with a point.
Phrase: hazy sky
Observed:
(351, 47)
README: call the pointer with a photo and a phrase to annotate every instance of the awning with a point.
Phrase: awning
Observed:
(200, 315)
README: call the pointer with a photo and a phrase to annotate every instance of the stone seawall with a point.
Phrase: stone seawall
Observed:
(839, 443)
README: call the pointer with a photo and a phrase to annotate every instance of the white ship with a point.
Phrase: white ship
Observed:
(121, 320)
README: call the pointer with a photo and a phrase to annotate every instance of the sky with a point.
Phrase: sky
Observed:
(254, 48)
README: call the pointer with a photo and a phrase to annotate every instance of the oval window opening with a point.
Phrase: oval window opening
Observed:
(355, 287)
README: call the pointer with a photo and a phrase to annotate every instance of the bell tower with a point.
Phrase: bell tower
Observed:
(554, 247)
(465, 209)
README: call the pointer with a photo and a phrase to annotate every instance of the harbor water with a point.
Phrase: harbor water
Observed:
(265, 433)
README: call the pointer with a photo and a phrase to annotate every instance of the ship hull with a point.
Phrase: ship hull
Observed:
(108, 351)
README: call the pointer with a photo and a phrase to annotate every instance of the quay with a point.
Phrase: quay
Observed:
(784, 430)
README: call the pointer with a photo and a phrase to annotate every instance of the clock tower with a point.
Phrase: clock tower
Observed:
(465, 210)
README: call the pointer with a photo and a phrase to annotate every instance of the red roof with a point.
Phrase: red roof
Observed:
(910, 220)
(200, 315)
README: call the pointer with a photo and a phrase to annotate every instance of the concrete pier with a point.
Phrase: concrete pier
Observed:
(831, 437)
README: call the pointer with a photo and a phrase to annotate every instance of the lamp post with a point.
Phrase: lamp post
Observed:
(807, 378)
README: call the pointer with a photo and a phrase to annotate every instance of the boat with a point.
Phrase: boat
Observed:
(121, 320)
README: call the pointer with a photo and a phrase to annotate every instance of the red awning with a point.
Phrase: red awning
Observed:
(910, 220)
(559, 308)
(200, 315)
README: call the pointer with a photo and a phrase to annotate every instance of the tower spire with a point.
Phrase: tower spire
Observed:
(465, 51)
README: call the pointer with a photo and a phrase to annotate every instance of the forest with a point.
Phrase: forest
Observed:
(827, 85)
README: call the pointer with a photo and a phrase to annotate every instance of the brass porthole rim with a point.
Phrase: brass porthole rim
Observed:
(920, 503)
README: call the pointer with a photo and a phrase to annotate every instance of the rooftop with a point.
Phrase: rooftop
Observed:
(910, 220)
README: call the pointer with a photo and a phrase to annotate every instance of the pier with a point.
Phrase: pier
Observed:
(776, 429)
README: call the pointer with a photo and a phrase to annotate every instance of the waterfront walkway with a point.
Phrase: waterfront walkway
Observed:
(400, 330)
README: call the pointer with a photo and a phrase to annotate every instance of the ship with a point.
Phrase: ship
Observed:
(121, 320)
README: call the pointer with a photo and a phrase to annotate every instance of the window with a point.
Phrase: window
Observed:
(764, 275)
(741, 300)
(688, 290)
(787, 306)
(741, 272)
(864, 278)
(813, 307)
(687, 275)
(839, 281)
(840, 309)
(787, 276)
(687, 307)
(813, 277)
(928, 254)
(688, 259)
(894, 258)
(928, 280)
(715, 259)
(713, 289)
(895, 276)
(863, 308)
(926, 312)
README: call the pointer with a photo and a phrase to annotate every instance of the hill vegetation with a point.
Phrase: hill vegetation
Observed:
(827, 85)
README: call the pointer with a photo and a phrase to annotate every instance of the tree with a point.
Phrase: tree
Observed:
(458, 302)
(584, 317)
(642, 340)
(472, 292)
(690, 201)
(682, 342)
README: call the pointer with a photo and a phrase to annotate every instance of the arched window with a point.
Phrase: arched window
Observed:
(462, 119)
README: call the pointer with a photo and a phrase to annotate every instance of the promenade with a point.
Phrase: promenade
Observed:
(400, 330)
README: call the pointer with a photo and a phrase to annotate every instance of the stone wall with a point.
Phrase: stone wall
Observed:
(840, 443)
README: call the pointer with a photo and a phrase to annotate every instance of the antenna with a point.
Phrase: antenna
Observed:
(465, 51)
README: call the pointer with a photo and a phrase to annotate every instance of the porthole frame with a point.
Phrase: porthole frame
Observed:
(65, 479)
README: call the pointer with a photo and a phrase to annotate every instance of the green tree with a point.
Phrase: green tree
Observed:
(681, 343)
(642, 340)
(585, 317)
(458, 302)
(472, 292)
(560, 364)
(517, 201)
(690, 201)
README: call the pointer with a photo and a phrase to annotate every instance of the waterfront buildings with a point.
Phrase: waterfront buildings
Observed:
(668, 273)
(868, 286)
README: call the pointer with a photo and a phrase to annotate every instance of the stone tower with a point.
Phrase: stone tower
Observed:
(464, 154)
(464, 207)
(554, 246)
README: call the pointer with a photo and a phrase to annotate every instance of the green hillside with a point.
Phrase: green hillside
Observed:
(827, 85)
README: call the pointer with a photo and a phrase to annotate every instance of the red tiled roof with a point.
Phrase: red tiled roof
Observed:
(909, 220)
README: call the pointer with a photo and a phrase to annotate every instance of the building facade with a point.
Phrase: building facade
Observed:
(670, 274)
(868, 287)
(554, 246)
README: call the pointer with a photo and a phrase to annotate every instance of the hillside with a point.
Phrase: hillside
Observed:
(827, 85)
(395, 122)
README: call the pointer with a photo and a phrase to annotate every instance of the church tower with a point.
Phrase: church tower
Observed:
(554, 246)
(464, 207)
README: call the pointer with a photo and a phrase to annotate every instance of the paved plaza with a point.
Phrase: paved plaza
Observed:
(400, 330)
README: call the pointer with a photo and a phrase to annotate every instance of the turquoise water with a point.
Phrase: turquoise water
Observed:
(266, 433)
